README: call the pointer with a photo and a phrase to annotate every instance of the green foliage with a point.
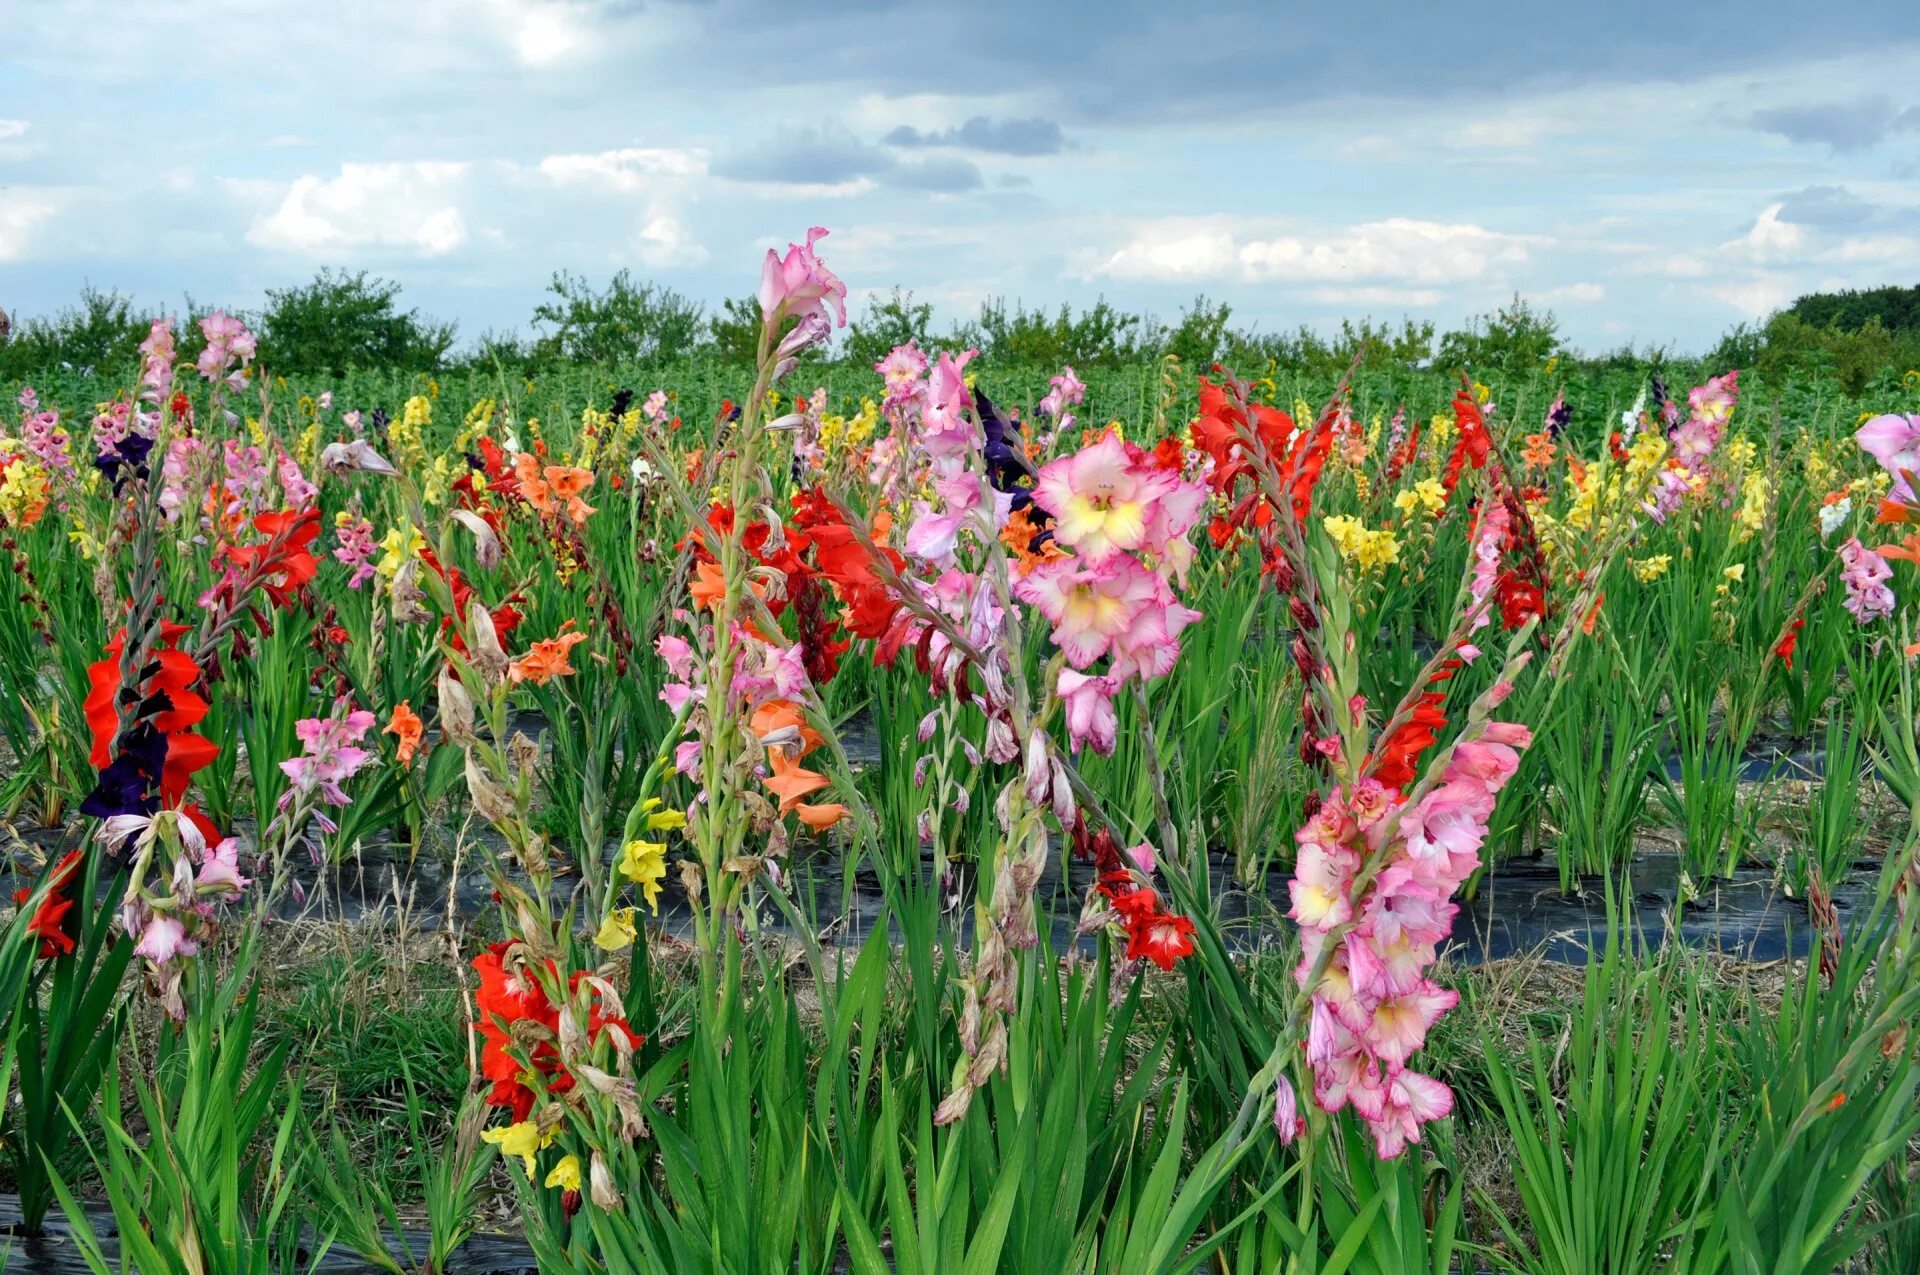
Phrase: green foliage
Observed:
(1512, 339)
(101, 335)
(893, 320)
(65, 1028)
(733, 334)
(344, 319)
(631, 321)
(1101, 336)
(209, 1188)
(1894, 308)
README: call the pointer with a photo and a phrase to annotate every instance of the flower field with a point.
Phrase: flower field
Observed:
(936, 818)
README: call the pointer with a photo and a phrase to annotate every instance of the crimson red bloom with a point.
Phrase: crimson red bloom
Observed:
(510, 993)
(283, 563)
(1397, 761)
(169, 704)
(49, 923)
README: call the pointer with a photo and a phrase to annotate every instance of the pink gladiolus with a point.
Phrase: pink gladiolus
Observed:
(1894, 441)
(800, 284)
(330, 757)
(947, 430)
(163, 938)
(1286, 1113)
(1865, 574)
(220, 870)
(1089, 607)
(1089, 706)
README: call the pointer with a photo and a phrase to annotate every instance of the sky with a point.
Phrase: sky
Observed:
(1652, 173)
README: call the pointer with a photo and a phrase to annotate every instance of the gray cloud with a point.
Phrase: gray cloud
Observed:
(941, 175)
(1033, 136)
(1840, 126)
(1825, 206)
(1143, 61)
(818, 157)
(811, 156)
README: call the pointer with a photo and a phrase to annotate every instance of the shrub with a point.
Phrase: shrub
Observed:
(346, 319)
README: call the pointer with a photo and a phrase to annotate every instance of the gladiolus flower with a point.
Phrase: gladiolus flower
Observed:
(820, 818)
(547, 660)
(617, 931)
(799, 284)
(522, 1138)
(405, 725)
(645, 864)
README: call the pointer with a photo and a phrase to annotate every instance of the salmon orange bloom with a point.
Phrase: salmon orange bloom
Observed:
(547, 660)
(820, 818)
(406, 726)
(790, 781)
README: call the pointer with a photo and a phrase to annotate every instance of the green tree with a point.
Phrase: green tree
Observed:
(632, 321)
(1200, 338)
(735, 332)
(1514, 338)
(346, 319)
(103, 333)
(1098, 337)
(894, 320)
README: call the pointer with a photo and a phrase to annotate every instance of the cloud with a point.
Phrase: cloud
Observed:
(663, 243)
(19, 214)
(1754, 297)
(1375, 294)
(1398, 249)
(1840, 126)
(822, 158)
(12, 129)
(1769, 239)
(411, 207)
(1824, 206)
(1577, 293)
(631, 168)
(942, 175)
(808, 157)
(1021, 137)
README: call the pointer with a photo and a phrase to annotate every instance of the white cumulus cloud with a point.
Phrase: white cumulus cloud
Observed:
(1398, 249)
(412, 207)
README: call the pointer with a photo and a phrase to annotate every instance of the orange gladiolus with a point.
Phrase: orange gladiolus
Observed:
(547, 659)
(820, 818)
(778, 713)
(405, 725)
(790, 781)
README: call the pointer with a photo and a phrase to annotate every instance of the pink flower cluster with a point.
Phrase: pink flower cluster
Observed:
(354, 546)
(904, 370)
(156, 363)
(1063, 391)
(799, 285)
(230, 348)
(1372, 892)
(1126, 520)
(41, 432)
(1694, 442)
(1865, 573)
(330, 755)
(168, 918)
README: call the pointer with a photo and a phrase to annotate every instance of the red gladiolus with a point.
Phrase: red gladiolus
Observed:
(1153, 934)
(284, 563)
(1396, 762)
(50, 918)
(175, 676)
(1472, 445)
(1790, 639)
(509, 994)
